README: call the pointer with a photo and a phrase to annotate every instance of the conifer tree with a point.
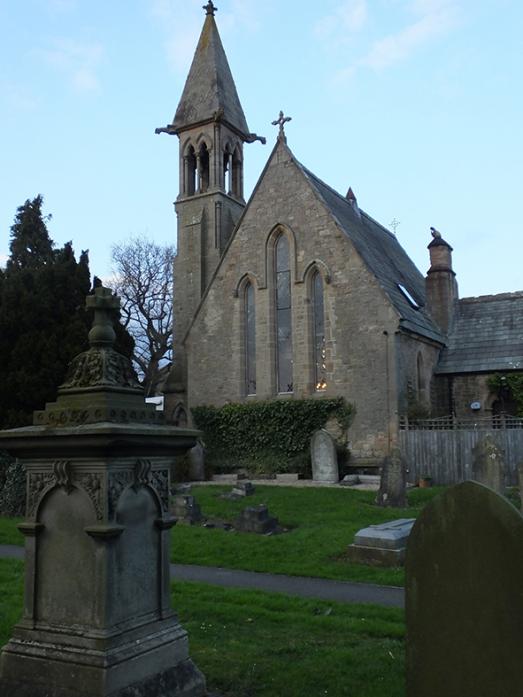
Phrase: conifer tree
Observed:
(43, 320)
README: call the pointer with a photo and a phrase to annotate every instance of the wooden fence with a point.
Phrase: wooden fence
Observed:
(442, 448)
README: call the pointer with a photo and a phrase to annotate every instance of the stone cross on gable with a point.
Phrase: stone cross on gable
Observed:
(281, 121)
(210, 8)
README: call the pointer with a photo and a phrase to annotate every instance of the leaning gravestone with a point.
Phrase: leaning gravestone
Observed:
(488, 465)
(97, 620)
(196, 457)
(324, 458)
(393, 482)
(464, 596)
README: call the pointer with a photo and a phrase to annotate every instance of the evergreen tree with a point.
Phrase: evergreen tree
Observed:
(30, 244)
(43, 320)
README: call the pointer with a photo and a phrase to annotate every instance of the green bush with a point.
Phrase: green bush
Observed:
(267, 437)
(12, 486)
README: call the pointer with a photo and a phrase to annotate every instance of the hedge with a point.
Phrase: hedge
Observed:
(266, 437)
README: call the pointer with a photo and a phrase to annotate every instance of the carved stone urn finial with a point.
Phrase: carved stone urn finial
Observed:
(105, 304)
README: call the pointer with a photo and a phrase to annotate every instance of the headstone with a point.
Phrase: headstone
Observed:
(97, 618)
(383, 544)
(287, 477)
(393, 484)
(324, 457)
(243, 489)
(464, 599)
(196, 457)
(488, 465)
(186, 509)
(256, 519)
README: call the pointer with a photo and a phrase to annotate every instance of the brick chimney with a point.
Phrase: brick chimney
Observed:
(441, 287)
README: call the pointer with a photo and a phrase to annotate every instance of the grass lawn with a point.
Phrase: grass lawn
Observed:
(254, 644)
(322, 523)
(9, 533)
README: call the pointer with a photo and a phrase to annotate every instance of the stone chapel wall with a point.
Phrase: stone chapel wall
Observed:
(360, 358)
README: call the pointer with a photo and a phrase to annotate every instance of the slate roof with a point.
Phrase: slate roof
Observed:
(486, 335)
(384, 256)
(210, 86)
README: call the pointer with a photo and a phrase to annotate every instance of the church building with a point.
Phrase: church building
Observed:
(299, 293)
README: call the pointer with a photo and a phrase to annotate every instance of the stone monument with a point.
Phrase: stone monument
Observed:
(381, 545)
(256, 519)
(393, 482)
(324, 458)
(97, 620)
(488, 465)
(464, 599)
(196, 457)
(186, 509)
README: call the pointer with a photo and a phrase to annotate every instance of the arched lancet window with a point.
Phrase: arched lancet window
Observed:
(203, 172)
(190, 171)
(283, 315)
(236, 174)
(227, 169)
(318, 331)
(250, 339)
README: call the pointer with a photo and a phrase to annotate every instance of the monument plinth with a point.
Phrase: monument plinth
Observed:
(97, 619)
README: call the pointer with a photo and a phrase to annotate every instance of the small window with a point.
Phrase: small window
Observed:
(409, 297)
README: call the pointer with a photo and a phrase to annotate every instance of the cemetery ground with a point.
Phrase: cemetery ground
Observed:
(276, 645)
(257, 644)
(321, 523)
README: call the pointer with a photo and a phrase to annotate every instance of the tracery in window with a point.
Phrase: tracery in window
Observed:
(318, 332)
(250, 339)
(283, 315)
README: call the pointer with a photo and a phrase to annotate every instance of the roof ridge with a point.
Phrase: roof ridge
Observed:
(495, 296)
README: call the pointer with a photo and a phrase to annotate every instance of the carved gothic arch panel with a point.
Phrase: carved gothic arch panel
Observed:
(248, 277)
(319, 266)
(270, 245)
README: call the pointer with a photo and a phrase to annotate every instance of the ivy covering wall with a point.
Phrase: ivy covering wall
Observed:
(267, 437)
(508, 385)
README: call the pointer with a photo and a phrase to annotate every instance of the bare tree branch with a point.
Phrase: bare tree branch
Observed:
(143, 278)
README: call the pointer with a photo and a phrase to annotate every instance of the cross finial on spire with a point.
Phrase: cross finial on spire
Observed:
(281, 121)
(210, 8)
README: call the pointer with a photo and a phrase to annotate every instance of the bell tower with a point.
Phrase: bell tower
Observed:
(211, 128)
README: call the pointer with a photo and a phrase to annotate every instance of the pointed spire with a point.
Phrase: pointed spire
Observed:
(210, 92)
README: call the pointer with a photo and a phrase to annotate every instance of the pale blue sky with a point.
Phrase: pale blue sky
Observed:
(416, 104)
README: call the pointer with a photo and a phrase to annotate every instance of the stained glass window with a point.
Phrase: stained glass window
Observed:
(318, 329)
(250, 340)
(283, 315)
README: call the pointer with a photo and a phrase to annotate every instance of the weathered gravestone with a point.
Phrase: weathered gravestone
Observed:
(186, 509)
(488, 464)
(196, 457)
(464, 596)
(324, 458)
(242, 489)
(256, 519)
(393, 482)
(383, 544)
(97, 620)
